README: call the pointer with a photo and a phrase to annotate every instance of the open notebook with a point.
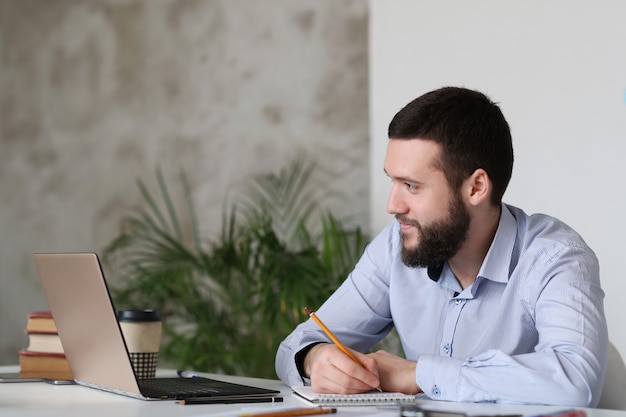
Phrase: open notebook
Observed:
(373, 398)
(93, 342)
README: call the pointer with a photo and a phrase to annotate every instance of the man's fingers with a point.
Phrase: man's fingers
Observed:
(332, 371)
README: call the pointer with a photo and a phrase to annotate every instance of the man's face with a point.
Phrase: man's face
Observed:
(434, 221)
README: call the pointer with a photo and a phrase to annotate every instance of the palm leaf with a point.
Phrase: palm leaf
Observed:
(229, 301)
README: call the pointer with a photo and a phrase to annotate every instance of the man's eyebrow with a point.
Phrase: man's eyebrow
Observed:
(406, 179)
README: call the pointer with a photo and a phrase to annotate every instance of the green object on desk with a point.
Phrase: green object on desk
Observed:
(229, 300)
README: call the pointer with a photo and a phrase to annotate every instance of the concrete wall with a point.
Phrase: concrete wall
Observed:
(94, 94)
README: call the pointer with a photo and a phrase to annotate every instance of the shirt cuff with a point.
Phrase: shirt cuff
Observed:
(299, 358)
(439, 376)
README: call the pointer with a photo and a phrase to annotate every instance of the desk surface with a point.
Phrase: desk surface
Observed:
(41, 399)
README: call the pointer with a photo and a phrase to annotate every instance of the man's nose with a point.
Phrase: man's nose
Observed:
(396, 203)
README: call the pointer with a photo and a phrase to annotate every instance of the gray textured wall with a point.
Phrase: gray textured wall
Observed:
(94, 94)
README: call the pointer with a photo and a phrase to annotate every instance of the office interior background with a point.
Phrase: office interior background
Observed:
(94, 95)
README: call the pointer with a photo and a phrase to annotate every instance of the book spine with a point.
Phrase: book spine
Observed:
(40, 315)
(35, 353)
(28, 331)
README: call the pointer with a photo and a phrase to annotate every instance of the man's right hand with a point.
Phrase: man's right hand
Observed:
(332, 371)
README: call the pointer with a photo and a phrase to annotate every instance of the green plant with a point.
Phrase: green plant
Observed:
(229, 301)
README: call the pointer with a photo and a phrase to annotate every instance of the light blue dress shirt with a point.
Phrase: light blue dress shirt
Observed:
(530, 329)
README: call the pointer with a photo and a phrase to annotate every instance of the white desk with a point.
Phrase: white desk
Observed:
(42, 400)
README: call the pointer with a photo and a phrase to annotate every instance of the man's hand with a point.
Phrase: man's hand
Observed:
(396, 374)
(332, 371)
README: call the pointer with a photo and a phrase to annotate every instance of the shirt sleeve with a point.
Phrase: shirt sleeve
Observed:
(359, 329)
(564, 298)
(357, 312)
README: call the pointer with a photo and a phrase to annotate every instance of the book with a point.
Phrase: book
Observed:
(44, 342)
(40, 322)
(372, 398)
(42, 333)
(44, 357)
(44, 365)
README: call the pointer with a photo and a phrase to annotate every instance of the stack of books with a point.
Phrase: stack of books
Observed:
(44, 357)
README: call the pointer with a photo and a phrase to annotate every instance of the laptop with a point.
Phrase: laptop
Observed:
(93, 342)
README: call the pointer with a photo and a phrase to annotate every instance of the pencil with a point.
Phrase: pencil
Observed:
(294, 412)
(333, 337)
(230, 400)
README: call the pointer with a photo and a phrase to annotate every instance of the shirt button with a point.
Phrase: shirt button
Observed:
(446, 349)
(457, 301)
(436, 392)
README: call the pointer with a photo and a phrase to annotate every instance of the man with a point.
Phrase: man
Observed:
(490, 304)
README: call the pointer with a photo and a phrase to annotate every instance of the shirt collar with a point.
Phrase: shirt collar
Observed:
(496, 266)
(497, 263)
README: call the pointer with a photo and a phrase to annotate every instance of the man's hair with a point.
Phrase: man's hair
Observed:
(471, 130)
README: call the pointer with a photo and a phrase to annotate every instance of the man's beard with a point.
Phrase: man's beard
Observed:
(439, 241)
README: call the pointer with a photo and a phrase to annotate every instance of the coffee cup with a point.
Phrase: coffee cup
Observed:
(142, 334)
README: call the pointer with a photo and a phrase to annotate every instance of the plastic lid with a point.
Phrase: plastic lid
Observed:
(138, 315)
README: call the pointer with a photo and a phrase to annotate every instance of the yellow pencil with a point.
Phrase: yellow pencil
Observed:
(294, 412)
(333, 337)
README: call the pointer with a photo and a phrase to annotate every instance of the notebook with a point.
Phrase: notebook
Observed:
(81, 304)
(373, 398)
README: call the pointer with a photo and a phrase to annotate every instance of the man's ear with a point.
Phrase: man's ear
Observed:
(479, 188)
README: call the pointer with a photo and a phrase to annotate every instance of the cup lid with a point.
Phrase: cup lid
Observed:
(138, 315)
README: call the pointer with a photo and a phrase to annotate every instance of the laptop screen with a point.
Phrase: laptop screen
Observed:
(93, 341)
(85, 317)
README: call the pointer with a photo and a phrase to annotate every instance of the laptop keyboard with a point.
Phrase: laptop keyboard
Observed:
(177, 387)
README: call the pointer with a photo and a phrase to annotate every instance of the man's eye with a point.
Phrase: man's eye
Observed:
(411, 187)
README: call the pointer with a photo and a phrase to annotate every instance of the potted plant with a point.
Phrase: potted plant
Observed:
(228, 301)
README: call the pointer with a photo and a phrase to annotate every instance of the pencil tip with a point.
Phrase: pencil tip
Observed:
(308, 310)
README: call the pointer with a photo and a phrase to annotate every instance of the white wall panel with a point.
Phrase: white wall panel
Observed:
(558, 70)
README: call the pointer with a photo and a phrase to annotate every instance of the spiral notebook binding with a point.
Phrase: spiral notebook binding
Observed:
(373, 398)
(365, 399)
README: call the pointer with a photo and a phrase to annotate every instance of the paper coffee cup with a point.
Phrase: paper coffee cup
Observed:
(142, 334)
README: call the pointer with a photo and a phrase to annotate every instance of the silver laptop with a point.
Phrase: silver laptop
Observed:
(93, 342)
